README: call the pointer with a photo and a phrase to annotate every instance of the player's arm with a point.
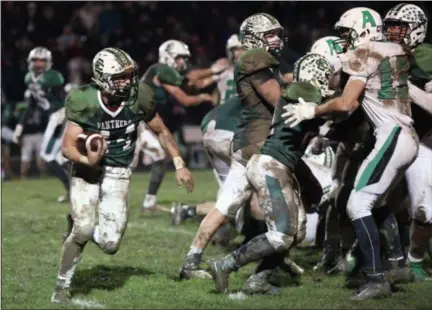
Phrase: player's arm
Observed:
(167, 141)
(75, 114)
(347, 103)
(185, 99)
(218, 67)
(420, 98)
(288, 78)
(204, 83)
(266, 85)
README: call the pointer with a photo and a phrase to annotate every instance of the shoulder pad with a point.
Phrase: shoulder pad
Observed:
(27, 78)
(302, 89)
(254, 60)
(168, 75)
(78, 107)
(55, 78)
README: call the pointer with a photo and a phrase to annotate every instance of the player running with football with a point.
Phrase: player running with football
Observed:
(112, 107)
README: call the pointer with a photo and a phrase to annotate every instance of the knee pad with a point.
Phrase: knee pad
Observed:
(356, 208)
(279, 241)
(111, 247)
(83, 233)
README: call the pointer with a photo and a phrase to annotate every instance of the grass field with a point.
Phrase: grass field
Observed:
(143, 274)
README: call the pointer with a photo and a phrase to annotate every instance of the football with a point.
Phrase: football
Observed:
(88, 138)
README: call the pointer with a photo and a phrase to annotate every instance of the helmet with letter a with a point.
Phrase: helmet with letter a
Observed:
(39, 59)
(116, 74)
(175, 54)
(358, 26)
(406, 23)
(330, 48)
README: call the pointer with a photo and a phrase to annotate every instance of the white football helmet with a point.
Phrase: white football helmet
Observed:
(413, 17)
(314, 69)
(253, 31)
(170, 50)
(39, 52)
(233, 42)
(116, 73)
(363, 25)
(329, 47)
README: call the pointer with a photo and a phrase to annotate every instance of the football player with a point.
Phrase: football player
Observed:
(46, 93)
(380, 70)
(258, 83)
(165, 78)
(407, 24)
(113, 107)
(218, 127)
(270, 174)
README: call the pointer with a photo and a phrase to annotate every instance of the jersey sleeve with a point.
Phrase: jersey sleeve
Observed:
(76, 108)
(56, 79)
(147, 104)
(302, 89)
(170, 76)
(361, 63)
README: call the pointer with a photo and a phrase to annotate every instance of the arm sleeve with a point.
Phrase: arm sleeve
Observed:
(146, 102)
(75, 108)
(260, 77)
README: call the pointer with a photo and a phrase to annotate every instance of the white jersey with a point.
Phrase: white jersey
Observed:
(226, 84)
(384, 67)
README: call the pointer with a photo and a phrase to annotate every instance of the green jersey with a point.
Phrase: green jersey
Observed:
(253, 68)
(421, 73)
(286, 144)
(166, 105)
(84, 107)
(226, 116)
(43, 89)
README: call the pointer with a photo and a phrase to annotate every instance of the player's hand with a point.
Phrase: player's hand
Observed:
(297, 113)
(16, 136)
(184, 177)
(220, 65)
(94, 157)
(205, 97)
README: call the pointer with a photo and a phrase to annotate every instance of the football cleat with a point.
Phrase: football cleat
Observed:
(61, 296)
(373, 290)
(258, 284)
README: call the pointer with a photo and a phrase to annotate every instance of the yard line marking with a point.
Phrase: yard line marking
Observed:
(237, 296)
(160, 229)
(86, 304)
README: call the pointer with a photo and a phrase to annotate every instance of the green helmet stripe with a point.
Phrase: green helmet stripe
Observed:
(121, 56)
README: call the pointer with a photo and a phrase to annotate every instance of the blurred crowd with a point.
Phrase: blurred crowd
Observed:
(75, 31)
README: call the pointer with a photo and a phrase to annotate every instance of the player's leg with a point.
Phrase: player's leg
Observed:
(420, 190)
(113, 209)
(26, 154)
(217, 147)
(158, 168)
(84, 201)
(236, 192)
(51, 145)
(279, 199)
(40, 163)
(394, 150)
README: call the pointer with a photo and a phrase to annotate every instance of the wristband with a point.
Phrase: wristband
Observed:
(178, 163)
(84, 160)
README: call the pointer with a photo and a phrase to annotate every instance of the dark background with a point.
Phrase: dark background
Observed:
(76, 31)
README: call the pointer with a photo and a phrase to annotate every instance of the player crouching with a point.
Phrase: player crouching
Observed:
(100, 179)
